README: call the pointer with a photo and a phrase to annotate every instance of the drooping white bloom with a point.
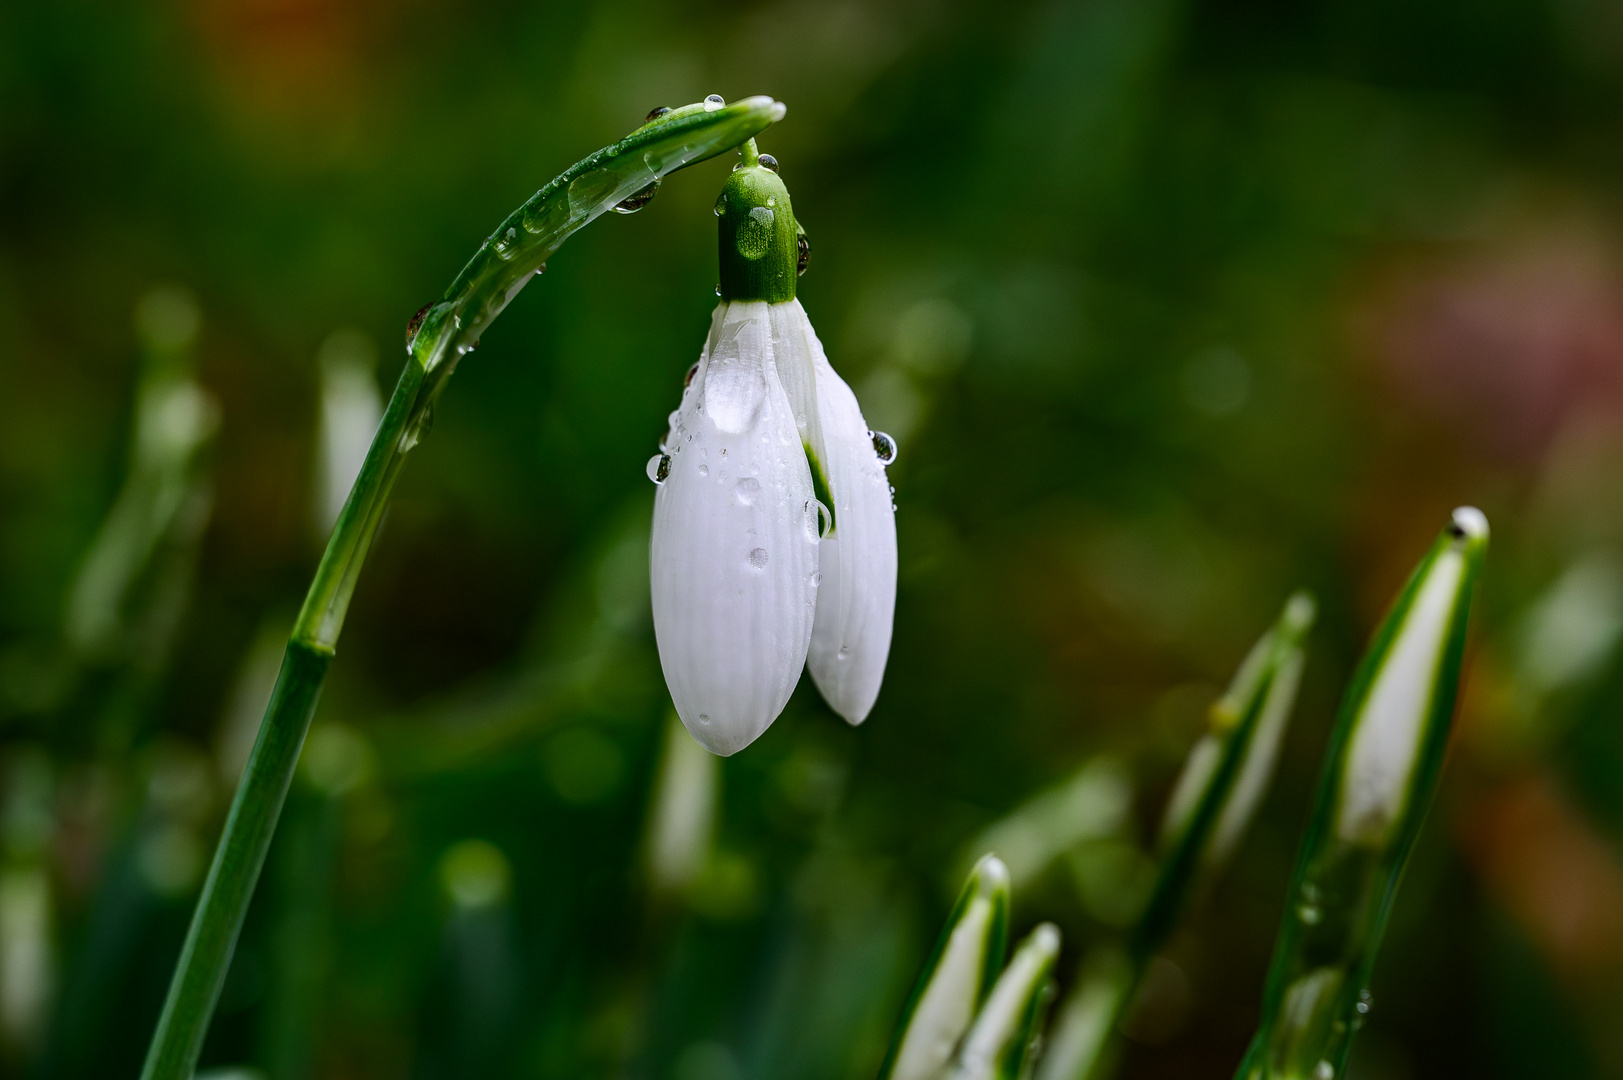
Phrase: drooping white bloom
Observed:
(752, 568)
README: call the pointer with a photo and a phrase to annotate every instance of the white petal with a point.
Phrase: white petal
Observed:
(1390, 729)
(857, 602)
(734, 558)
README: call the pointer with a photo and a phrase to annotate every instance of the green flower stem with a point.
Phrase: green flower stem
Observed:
(621, 176)
(758, 238)
(1381, 771)
(1224, 778)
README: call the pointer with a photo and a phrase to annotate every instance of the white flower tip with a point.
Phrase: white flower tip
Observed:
(1300, 611)
(1469, 523)
(723, 740)
(1044, 941)
(991, 875)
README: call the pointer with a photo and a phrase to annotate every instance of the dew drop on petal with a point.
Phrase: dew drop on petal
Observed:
(655, 114)
(659, 467)
(884, 446)
(714, 102)
(758, 558)
(819, 519)
(704, 470)
(815, 578)
(635, 202)
(748, 490)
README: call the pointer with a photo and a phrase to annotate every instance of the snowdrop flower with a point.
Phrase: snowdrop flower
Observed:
(774, 540)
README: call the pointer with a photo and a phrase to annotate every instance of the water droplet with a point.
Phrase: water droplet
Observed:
(1324, 1071)
(704, 470)
(415, 323)
(1311, 914)
(633, 203)
(758, 558)
(714, 102)
(748, 490)
(815, 578)
(655, 114)
(687, 380)
(1365, 1002)
(805, 253)
(884, 446)
(659, 467)
(417, 430)
(769, 162)
(772, 200)
(721, 205)
(704, 719)
(819, 520)
(718, 288)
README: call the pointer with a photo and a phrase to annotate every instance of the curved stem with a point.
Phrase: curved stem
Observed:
(444, 333)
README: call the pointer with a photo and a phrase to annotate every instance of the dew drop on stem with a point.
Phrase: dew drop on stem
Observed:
(639, 200)
(714, 102)
(415, 323)
(767, 161)
(805, 254)
(655, 114)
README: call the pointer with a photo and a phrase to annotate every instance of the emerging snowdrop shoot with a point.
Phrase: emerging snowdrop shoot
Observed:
(774, 538)
(1381, 771)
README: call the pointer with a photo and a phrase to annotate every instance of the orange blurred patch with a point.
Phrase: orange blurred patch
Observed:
(299, 57)
(1543, 862)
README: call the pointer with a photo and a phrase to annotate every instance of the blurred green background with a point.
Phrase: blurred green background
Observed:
(1172, 306)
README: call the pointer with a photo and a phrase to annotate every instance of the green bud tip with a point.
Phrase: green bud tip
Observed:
(758, 237)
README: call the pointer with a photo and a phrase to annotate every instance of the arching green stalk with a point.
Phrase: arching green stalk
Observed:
(622, 175)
